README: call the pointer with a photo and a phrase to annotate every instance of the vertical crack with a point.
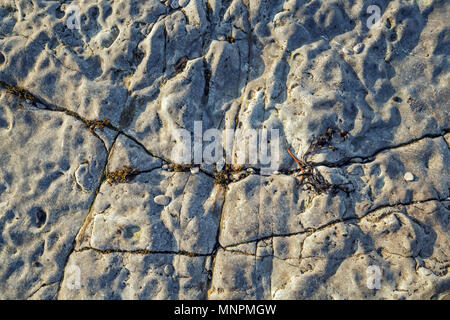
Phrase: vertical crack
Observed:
(217, 246)
(88, 217)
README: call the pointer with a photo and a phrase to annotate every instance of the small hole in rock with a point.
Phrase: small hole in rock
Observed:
(38, 216)
(41, 216)
(59, 13)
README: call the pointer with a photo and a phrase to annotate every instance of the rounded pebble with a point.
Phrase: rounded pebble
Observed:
(162, 200)
(195, 170)
(409, 177)
(220, 165)
(250, 170)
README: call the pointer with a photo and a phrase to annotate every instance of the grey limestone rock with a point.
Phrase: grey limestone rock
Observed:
(95, 204)
(48, 180)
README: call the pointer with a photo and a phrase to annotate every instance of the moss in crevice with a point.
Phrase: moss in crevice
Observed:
(179, 167)
(20, 92)
(96, 124)
(229, 38)
(224, 177)
(121, 176)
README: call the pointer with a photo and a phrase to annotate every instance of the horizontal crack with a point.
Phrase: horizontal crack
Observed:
(310, 231)
(367, 159)
(145, 252)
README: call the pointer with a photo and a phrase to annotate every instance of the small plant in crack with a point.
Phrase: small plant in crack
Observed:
(121, 176)
(96, 124)
(224, 177)
(229, 38)
(20, 93)
(179, 167)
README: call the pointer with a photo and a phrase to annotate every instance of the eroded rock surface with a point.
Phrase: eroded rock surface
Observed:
(50, 169)
(94, 206)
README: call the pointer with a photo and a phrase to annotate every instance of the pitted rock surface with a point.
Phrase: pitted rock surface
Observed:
(93, 204)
